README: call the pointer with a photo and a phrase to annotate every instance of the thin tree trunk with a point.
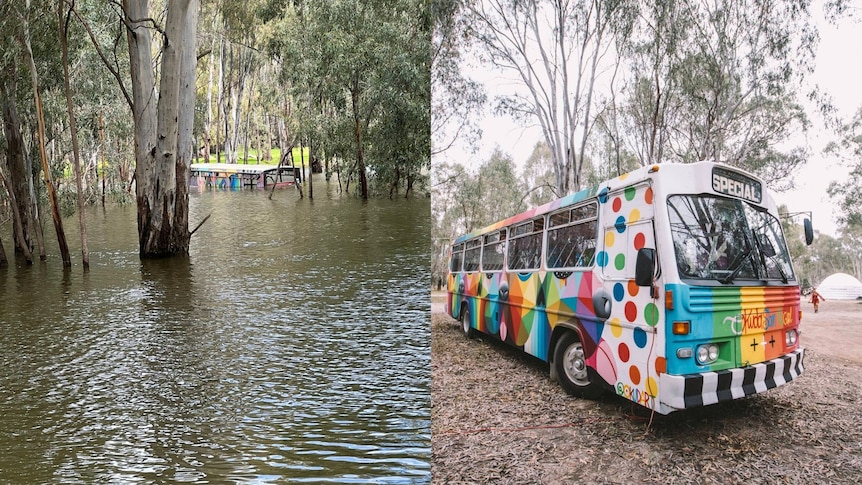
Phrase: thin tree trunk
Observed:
(16, 184)
(73, 132)
(219, 101)
(34, 215)
(101, 166)
(248, 118)
(17, 221)
(49, 183)
(311, 169)
(4, 262)
(357, 128)
(208, 123)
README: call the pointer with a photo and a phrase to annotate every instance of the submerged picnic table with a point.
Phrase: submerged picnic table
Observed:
(237, 176)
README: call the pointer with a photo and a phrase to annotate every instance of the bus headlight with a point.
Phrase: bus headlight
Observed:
(790, 337)
(707, 354)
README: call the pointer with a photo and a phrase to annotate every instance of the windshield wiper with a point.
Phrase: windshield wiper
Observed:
(764, 255)
(737, 268)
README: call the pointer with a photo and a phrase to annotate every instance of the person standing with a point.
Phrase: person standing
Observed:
(816, 298)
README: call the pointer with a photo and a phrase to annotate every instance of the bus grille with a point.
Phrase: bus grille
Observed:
(717, 299)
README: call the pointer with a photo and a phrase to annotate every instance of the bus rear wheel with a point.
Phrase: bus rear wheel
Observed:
(575, 377)
(466, 329)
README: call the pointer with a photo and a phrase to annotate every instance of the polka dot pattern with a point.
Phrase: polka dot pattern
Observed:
(602, 259)
(623, 352)
(632, 345)
(619, 292)
(640, 337)
(651, 314)
(631, 311)
(633, 288)
(620, 261)
(635, 375)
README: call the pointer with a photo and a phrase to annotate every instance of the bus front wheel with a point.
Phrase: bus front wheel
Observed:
(575, 377)
(466, 329)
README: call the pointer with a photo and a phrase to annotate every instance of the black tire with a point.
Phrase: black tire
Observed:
(572, 372)
(466, 329)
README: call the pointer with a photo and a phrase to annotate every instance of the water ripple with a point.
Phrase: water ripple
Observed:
(295, 351)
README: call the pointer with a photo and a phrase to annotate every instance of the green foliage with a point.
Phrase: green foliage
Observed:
(848, 149)
(719, 81)
(354, 65)
(463, 201)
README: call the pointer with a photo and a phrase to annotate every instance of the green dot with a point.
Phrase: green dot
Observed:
(620, 261)
(630, 193)
(651, 314)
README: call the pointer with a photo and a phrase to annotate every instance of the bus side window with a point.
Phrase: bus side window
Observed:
(472, 255)
(456, 264)
(492, 253)
(572, 245)
(525, 247)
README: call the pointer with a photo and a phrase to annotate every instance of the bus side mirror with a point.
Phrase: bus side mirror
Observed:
(809, 231)
(645, 267)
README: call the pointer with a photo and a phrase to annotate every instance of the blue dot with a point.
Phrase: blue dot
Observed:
(640, 337)
(602, 259)
(619, 292)
(620, 225)
(603, 195)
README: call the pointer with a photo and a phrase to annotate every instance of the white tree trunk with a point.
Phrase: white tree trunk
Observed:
(162, 130)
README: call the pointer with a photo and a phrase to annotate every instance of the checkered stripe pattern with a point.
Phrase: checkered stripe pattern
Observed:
(711, 387)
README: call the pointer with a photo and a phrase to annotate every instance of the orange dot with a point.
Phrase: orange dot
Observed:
(661, 365)
(648, 195)
(633, 288)
(635, 375)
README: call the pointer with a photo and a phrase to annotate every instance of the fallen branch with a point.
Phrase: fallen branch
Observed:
(201, 223)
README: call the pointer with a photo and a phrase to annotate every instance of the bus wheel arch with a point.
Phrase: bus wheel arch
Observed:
(569, 367)
(466, 328)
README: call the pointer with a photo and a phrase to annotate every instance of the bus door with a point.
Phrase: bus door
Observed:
(631, 348)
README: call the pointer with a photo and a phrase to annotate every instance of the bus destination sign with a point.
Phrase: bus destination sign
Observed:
(736, 184)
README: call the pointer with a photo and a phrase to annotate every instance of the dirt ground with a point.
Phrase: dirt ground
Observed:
(525, 429)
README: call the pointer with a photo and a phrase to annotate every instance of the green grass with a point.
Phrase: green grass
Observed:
(253, 157)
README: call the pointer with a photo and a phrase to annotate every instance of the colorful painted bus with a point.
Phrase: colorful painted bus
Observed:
(671, 286)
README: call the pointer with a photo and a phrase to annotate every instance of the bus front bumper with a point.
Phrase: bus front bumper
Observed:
(693, 390)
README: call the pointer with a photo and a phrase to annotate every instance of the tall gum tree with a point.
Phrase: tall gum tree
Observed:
(163, 124)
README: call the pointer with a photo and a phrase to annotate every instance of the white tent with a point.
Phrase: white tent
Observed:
(840, 286)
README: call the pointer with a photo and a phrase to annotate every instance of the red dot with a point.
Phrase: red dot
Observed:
(617, 204)
(631, 311)
(624, 352)
(640, 241)
(648, 195)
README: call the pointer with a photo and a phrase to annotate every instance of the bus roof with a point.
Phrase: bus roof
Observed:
(623, 180)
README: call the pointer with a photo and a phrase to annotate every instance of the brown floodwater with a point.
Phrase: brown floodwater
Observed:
(292, 345)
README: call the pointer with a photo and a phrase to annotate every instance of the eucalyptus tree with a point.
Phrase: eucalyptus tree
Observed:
(720, 80)
(163, 130)
(361, 69)
(848, 150)
(26, 75)
(455, 97)
(555, 52)
(63, 21)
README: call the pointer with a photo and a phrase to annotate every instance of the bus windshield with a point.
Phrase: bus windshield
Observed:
(726, 240)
